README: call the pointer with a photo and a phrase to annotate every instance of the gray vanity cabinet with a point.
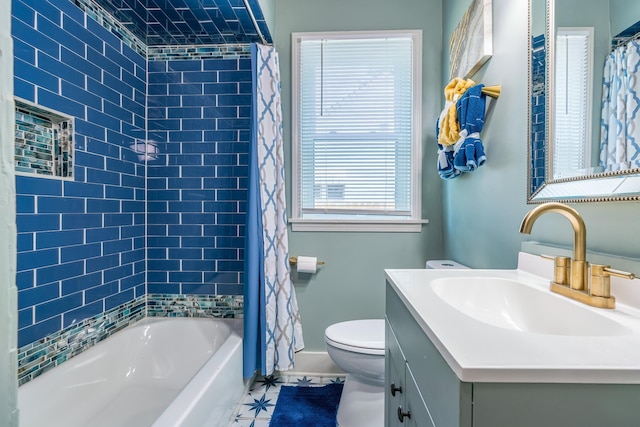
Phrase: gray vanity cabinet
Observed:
(395, 379)
(405, 406)
(434, 395)
(426, 377)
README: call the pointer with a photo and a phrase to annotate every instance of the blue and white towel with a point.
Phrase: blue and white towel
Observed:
(469, 151)
(446, 170)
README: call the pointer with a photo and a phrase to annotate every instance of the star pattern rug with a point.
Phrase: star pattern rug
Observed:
(257, 407)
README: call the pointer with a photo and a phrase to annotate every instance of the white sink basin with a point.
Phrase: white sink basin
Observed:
(510, 304)
(494, 325)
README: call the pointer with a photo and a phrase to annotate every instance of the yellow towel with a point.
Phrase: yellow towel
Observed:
(449, 127)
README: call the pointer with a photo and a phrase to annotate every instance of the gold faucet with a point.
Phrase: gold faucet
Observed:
(574, 283)
(578, 278)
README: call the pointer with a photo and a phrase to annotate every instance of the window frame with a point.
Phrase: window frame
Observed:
(583, 142)
(366, 222)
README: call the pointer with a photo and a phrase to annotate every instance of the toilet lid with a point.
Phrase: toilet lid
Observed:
(365, 336)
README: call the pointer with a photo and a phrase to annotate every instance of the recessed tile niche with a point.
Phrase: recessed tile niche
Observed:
(44, 142)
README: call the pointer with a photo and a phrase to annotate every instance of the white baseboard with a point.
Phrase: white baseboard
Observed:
(314, 363)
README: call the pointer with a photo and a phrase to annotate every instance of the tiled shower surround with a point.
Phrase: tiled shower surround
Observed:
(81, 242)
(166, 230)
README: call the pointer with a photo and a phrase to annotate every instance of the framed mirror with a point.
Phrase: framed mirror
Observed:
(584, 112)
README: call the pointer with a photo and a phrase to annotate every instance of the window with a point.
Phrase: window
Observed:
(356, 131)
(573, 82)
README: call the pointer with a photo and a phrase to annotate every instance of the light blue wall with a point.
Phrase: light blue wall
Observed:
(538, 17)
(268, 8)
(351, 284)
(624, 13)
(483, 210)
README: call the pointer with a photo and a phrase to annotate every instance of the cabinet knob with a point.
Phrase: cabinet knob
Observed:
(395, 389)
(402, 414)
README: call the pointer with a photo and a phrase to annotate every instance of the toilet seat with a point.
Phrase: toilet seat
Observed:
(359, 336)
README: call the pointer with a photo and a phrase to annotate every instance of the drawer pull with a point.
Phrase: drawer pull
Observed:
(395, 389)
(402, 414)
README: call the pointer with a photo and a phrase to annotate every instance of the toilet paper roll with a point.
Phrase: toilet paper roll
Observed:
(307, 264)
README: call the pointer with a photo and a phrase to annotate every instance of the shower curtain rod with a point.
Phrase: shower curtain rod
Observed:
(254, 22)
(619, 41)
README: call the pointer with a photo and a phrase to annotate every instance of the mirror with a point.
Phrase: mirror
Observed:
(569, 43)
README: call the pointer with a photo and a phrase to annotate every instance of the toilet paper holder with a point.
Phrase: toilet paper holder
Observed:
(294, 260)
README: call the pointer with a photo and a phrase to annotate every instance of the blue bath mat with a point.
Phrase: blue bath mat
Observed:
(307, 406)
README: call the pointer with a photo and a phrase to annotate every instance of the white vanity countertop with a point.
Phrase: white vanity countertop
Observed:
(480, 352)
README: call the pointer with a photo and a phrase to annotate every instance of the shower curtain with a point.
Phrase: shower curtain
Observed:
(272, 327)
(620, 125)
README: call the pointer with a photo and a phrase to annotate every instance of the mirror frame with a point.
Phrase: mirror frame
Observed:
(609, 186)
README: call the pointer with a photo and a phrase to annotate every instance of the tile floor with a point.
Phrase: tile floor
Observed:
(258, 404)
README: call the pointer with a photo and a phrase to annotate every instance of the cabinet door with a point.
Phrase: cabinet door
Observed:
(418, 415)
(448, 400)
(394, 380)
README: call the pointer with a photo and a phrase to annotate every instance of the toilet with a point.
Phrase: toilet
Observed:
(357, 347)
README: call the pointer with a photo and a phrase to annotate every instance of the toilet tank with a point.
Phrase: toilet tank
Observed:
(440, 264)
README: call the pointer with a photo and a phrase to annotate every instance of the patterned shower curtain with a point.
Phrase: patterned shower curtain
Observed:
(620, 123)
(272, 327)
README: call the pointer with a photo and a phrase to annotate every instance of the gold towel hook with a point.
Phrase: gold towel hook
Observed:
(492, 91)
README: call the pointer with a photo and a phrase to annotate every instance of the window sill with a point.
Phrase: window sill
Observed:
(341, 225)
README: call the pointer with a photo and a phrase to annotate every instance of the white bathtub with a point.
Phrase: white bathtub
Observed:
(160, 372)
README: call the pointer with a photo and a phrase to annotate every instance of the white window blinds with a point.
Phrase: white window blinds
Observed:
(356, 125)
(574, 50)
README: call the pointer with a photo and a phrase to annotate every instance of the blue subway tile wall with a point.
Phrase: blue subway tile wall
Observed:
(110, 23)
(81, 241)
(538, 113)
(176, 22)
(198, 118)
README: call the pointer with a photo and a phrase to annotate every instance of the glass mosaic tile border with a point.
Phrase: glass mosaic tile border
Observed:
(185, 52)
(38, 357)
(221, 306)
(108, 21)
(43, 141)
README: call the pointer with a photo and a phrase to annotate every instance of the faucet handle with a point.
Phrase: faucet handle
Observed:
(562, 269)
(619, 273)
(600, 279)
